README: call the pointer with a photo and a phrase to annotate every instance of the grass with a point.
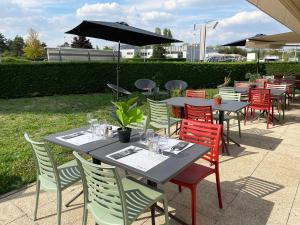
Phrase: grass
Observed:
(39, 117)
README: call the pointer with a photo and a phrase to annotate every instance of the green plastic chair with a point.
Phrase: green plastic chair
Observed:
(49, 176)
(159, 116)
(140, 125)
(227, 116)
(226, 90)
(113, 200)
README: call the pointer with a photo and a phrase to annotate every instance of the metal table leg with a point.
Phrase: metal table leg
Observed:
(221, 121)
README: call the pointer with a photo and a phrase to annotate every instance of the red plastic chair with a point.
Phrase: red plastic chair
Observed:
(202, 114)
(203, 134)
(261, 83)
(260, 99)
(195, 93)
(241, 84)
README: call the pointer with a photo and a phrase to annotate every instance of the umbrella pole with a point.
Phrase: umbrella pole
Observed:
(257, 64)
(118, 70)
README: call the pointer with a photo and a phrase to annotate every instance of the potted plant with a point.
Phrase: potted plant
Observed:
(157, 79)
(217, 99)
(252, 77)
(126, 114)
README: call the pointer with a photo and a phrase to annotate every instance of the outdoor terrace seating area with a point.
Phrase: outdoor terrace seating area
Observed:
(259, 183)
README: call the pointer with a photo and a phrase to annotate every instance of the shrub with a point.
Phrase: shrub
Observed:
(44, 78)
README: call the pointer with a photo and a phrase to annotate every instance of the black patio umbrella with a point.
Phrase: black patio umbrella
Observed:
(243, 42)
(119, 32)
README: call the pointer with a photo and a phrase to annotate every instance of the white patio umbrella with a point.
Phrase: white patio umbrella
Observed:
(286, 12)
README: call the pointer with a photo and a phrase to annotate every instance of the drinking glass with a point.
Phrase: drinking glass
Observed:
(142, 136)
(149, 136)
(89, 117)
(162, 144)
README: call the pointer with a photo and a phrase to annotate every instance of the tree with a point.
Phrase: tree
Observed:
(157, 30)
(33, 48)
(107, 48)
(17, 45)
(167, 33)
(3, 45)
(158, 52)
(65, 45)
(81, 42)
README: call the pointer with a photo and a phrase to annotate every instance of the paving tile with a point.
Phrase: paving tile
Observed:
(24, 220)
(294, 216)
(9, 212)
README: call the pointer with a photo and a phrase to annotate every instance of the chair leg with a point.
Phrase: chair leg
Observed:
(59, 202)
(218, 187)
(239, 124)
(169, 131)
(85, 216)
(227, 132)
(37, 196)
(268, 119)
(194, 205)
(223, 141)
(179, 188)
(246, 115)
(165, 202)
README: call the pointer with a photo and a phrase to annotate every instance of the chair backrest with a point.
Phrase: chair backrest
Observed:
(140, 125)
(226, 90)
(145, 84)
(176, 84)
(231, 96)
(276, 86)
(261, 83)
(241, 84)
(200, 113)
(45, 164)
(270, 77)
(260, 97)
(195, 93)
(201, 133)
(102, 186)
(114, 89)
(158, 111)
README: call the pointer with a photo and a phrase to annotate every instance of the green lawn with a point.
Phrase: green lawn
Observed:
(38, 117)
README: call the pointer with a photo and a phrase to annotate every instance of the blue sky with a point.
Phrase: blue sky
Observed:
(51, 18)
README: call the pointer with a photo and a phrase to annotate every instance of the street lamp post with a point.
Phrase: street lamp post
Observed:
(203, 31)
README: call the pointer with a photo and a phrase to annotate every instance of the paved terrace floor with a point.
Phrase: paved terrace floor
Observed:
(259, 181)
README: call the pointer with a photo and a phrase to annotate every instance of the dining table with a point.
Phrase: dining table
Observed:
(170, 164)
(225, 106)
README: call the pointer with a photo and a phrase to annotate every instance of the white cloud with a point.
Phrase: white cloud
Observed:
(98, 9)
(34, 3)
(170, 5)
(156, 16)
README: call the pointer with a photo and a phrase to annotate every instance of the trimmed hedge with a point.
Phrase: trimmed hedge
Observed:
(40, 79)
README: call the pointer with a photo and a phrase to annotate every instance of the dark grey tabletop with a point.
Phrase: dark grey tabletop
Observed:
(160, 173)
(229, 106)
(85, 148)
(274, 92)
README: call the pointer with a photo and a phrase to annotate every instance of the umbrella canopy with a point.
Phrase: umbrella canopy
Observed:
(286, 12)
(242, 42)
(119, 32)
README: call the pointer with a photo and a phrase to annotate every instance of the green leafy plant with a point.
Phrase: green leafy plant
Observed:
(176, 92)
(252, 76)
(127, 112)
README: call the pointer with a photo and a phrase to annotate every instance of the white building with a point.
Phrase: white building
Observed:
(79, 54)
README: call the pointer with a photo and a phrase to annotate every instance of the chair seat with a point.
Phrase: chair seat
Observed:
(258, 107)
(68, 173)
(139, 197)
(193, 174)
(164, 123)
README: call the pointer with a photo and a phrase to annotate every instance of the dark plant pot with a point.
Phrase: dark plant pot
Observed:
(217, 101)
(124, 135)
